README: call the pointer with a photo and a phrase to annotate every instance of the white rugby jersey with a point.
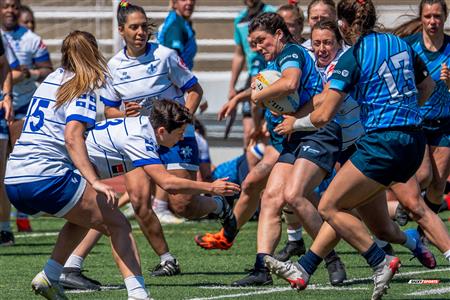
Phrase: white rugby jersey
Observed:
(40, 153)
(348, 114)
(28, 48)
(203, 149)
(117, 146)
(158, 74)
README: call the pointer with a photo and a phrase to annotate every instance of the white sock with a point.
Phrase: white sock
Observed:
(410, 243)
(166, 256)
(160, 205)
(5, 226)
(136, 287)
(74, 261)
(380, 243)
(294, 234)
(447, 255)
(219, 205)
(53, 270)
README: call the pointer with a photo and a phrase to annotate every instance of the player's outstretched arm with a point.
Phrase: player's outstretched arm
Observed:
(176, 185)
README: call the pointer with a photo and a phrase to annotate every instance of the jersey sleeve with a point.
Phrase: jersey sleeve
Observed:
(82, 109)
(142, 151)
(109, 96)
(10, 56)
(291, 57)
(40, 51)
(346, 73)
(203, 149)
(237, 34)
(179, 74)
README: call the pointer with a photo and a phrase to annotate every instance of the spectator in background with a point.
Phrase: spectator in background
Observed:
(6, 116)
(318, 10)
(26, 18)
(35, 65)
(243, 54)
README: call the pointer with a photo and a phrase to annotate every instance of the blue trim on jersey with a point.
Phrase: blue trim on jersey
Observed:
(110, 103)
(290, 64)
(138, 64)
(148, 95)
(51, 83)
(142, 78)
(80, 118)
(189, 84)
(204, 161)
(43, 58)
(14, 65)
(144, 162)
(256, 149)
(337, 85)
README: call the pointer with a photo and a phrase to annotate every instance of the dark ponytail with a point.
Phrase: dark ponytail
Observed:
(125, 8)
(360, 15)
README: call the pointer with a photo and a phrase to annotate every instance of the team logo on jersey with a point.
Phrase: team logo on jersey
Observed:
(151, 69)
(295, 55)
(117, 169)
(125, 76)
(186, 152)
(310, 150)
(345, 73)
(42, 45)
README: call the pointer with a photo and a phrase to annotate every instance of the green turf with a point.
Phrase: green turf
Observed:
(202, 270)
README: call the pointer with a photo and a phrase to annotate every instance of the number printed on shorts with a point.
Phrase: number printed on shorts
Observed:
(397, 73)
(37, 113)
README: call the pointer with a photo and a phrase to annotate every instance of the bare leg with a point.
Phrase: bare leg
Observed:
(440, 163)
(408, 195)
(425, 172)
(5, 205)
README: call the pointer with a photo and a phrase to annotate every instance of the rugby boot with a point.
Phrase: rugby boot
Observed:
(73, 278)
(422, 253)
(211, 241)
(51, 290)
(291, 248)
(336, 270)
(290, 271)
(166, 268)
(255, 278)
(383, 275)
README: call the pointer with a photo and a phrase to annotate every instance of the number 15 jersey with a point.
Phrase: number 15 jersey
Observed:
(40, 153)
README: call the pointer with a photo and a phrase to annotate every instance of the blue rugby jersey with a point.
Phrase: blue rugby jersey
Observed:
(438, 105)
(380, 72)
(177, 33)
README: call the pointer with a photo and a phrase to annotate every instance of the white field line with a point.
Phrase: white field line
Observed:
(316, 287)
(430, 292)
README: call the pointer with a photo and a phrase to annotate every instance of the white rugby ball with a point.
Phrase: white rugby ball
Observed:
(283, 105)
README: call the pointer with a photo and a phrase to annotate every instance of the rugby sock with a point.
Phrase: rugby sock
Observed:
(74, 261)
(381, 243)
(294, 234)
(259, 263)
(434, 207)
(160, 205)
(219, 206)
(447, 255)
(410, 242)
(374, 255)
(5, 226)
(53, 270)
(136, 287)
(310, 261)
(166, 257)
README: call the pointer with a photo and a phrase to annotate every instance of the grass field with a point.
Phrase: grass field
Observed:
(207, 274)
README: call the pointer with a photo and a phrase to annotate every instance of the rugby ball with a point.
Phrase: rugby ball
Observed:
(281, 105)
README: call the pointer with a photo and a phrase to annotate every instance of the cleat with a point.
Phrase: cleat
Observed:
(383, 275)
(41, 285)
(401, 215)
(166, 268)
(23, 225)
(73, 278)
(293, 273)
(422, 253)
(336, 271)
(255, 278)
(211, 241)
(6, 238)
(388, 249)
(292, 248)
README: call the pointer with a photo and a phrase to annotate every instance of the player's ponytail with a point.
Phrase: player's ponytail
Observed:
(360, 15)
(80, 55)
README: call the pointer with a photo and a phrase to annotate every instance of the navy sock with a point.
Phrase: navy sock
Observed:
(310, 261)
(259, 263)
(374, 256)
